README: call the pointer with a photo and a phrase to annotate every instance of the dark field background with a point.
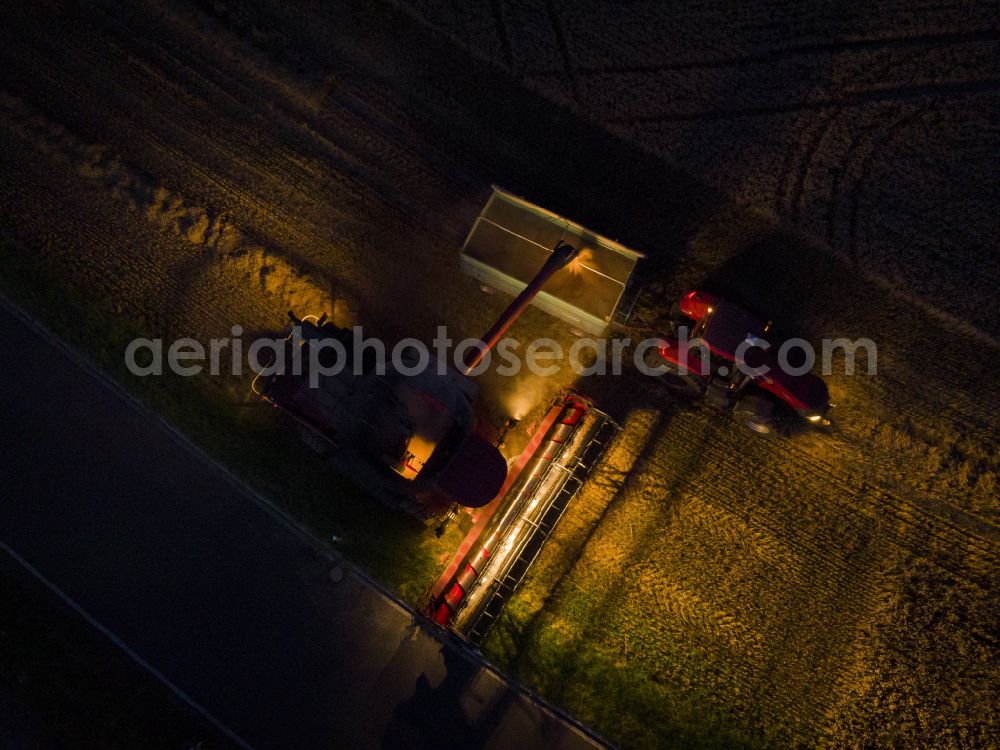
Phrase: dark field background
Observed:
(873, 125)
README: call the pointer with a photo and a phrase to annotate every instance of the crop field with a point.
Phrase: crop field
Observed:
(174, 169)
(871, 125)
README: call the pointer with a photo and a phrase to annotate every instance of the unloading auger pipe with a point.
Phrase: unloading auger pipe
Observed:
(562, 255)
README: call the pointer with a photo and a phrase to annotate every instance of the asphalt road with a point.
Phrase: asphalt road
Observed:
(224, 598)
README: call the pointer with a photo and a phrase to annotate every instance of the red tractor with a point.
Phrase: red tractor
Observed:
(720, 352)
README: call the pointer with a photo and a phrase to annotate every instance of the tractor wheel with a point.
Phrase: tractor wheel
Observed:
(681, 382)
(676, 319)
(759, 416)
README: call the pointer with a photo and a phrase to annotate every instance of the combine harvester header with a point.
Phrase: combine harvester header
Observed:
(507, 537)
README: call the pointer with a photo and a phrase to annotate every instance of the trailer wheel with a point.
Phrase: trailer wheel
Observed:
(758, 415)
(676, 319)
(682, 382)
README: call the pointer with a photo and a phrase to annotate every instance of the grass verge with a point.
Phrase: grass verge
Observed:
(619, 700)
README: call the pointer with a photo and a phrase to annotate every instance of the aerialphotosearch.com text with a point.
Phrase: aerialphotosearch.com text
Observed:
(352, 351)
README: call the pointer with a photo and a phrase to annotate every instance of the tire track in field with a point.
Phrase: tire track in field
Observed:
(783, 194)
(496, 6)
(857, 189)
(806, 162)
(569, 66)
(855, 99)
(833, 48)
(794, 208)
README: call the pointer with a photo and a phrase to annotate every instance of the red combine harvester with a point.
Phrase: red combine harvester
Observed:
(726, 359)
(412, 440)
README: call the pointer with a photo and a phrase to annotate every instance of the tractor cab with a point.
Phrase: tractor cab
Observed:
(725, 329)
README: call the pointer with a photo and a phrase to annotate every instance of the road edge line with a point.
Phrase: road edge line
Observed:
(124, 647)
